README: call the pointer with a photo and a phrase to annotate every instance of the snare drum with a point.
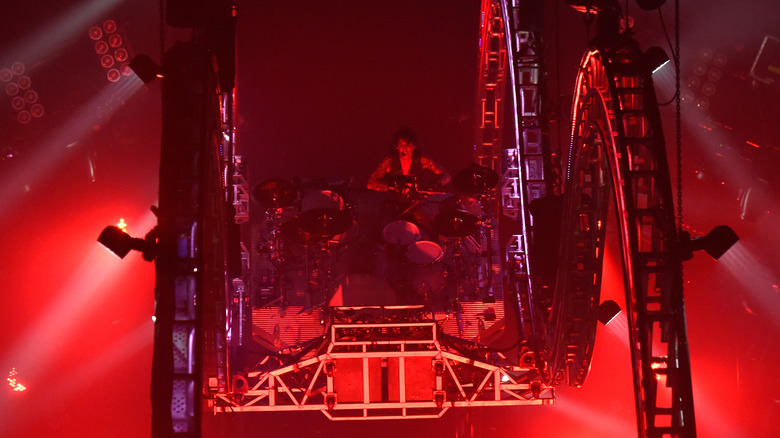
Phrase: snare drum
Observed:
(425, 273)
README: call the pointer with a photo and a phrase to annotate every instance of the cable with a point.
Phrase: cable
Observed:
(678, 113)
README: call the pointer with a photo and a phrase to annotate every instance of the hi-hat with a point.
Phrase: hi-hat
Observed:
(275, 193)
(455, 223)
(325, 222)
(475, 180)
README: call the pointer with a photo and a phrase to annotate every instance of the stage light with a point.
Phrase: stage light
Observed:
(608, 310)
(24, 82)
(113, 75)
(121, 55)
(6, 75)
(37, 110)
(715, 243)
(24, 117)
(101, 47)
(120, 243)
(95, 33)
(13, 382)
(115, 40)
(655, 58)
(19, 87)
(17, 68)
(145, 68)
(109, 46)
(109, 26)
(12, 89)
(107, 61)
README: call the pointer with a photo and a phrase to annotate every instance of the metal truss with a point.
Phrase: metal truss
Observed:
(240, 197)
(617, 135)
(389, 371)
(190, 291)
(523, 166)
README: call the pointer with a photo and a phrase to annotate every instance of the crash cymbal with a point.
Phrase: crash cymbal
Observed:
(455, 223)
(275, 193)
(475, 180)
(325, 222)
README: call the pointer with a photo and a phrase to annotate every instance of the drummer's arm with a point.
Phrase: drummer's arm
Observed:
(376, 180)
(429, 164)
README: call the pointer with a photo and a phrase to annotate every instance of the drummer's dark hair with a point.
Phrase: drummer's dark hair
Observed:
(404, 134)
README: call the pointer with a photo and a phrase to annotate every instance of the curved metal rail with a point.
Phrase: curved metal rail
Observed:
(617, 144)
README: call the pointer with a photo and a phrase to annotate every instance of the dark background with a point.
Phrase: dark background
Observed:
(322, 85)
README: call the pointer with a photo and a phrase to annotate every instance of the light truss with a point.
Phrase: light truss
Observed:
(388, 371)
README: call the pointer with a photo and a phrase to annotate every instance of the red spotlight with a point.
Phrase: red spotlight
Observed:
(17, 68)
(13, 382)
(125, 69)
(12, 89)
(113, 75)
(24, 117)
(6, 75)
(95, 32)
(37, 110)
(107, 61)
(115, 40)
(31, 96)
(24, 82)
(17, 103)
(121, 55)
(101, 47)
(109, 26)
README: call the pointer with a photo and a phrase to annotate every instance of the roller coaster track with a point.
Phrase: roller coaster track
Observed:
(617, 145)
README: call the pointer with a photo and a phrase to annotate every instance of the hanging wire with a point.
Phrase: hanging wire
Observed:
(162, 29)
(675, 58)
(678, 114)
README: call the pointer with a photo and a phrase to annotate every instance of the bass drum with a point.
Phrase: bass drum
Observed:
(425, 270)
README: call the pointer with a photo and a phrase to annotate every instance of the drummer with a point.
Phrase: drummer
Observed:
(405, 170)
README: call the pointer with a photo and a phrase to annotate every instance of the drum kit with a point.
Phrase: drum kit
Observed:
(412, 260)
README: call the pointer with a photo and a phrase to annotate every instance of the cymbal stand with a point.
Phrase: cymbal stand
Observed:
(485, 231)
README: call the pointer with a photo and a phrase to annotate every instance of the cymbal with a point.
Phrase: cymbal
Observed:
(455, 223)
(325, 222)
(292, 232)
(275, 193)
(475, 180)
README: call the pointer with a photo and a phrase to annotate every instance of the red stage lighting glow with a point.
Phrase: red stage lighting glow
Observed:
(15, 384)
(107, 61)
(113, 75)
(12, 89)
(115, 40)
(101, 47)
(37, 110)
(24, 82)
(121, 55)
(31, 96)
(95, 32)
(24, 117)
(17, 103)
(17, 68)
(109, 26)
(6, 75)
